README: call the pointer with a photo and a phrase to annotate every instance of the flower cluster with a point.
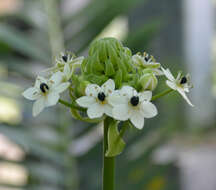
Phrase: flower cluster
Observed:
(121, 104)
(46, 91)
(110, 82)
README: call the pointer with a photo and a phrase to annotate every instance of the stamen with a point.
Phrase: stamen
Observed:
(146, 59)
(183, 80)
(101, 96)
(134, 100)
(44, 87)
(65, 58)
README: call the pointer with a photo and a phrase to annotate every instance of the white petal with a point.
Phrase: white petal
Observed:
(56, 78)
(158, 72)
(52, 99)
(115, 99)
(168, 74)
(171, 84)
(128, 91)
(121, 112)
(49, 70)
(137, 120)
(67, 71)
(38, 106)
(78, 60)
(86, 101)
(148, 109)
(108, 87)
(92, 90)
(40, 80)
(186, 89)
(31, 93)
(178, 76)
(95, 111)
(181, 91)
(145, 96)
(62, 87)
(108, 110)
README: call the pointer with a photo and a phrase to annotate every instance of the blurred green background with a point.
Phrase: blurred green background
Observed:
(55, 152)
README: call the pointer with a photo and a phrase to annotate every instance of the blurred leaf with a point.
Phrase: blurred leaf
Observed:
(45, 172)
(21, 43)
(27, 141)
(16, 64)
(141, 37)
(94, 25)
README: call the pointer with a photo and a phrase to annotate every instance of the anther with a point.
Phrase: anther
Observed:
(183, 80)
(44, 87)
(134, 100)
(65, 58)
(101, 96)
(146, 59)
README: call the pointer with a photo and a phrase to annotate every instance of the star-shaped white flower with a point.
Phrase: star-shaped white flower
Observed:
(128, 104)
(46, 92)
(147, 61)
(65, 60)
(180, 83)
(96, 99)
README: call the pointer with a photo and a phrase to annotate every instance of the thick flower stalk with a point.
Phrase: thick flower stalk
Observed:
(110, 85)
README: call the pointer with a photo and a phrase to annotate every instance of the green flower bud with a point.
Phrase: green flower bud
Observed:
(109, 68)
(118, 79)
(96, 79)
(108, 58)
(148, 81)
(148, 70)
(81, 87)
(105, 48)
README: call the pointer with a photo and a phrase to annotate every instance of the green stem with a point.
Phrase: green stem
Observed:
(108, 162)
(161, 94)
(71, 105)
(77, 116)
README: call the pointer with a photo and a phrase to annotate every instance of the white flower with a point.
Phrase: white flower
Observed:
(147, 61)
(96, 99)
(46, 92)
(181, 83)
(64, 59)
(128, 104)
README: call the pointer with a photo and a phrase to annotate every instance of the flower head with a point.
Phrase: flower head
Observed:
(63, 58)
(148, 80)
(46, 92)
(66, 60)
(96, 99)
(181, 83)
(129, 104)
(147, 61)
